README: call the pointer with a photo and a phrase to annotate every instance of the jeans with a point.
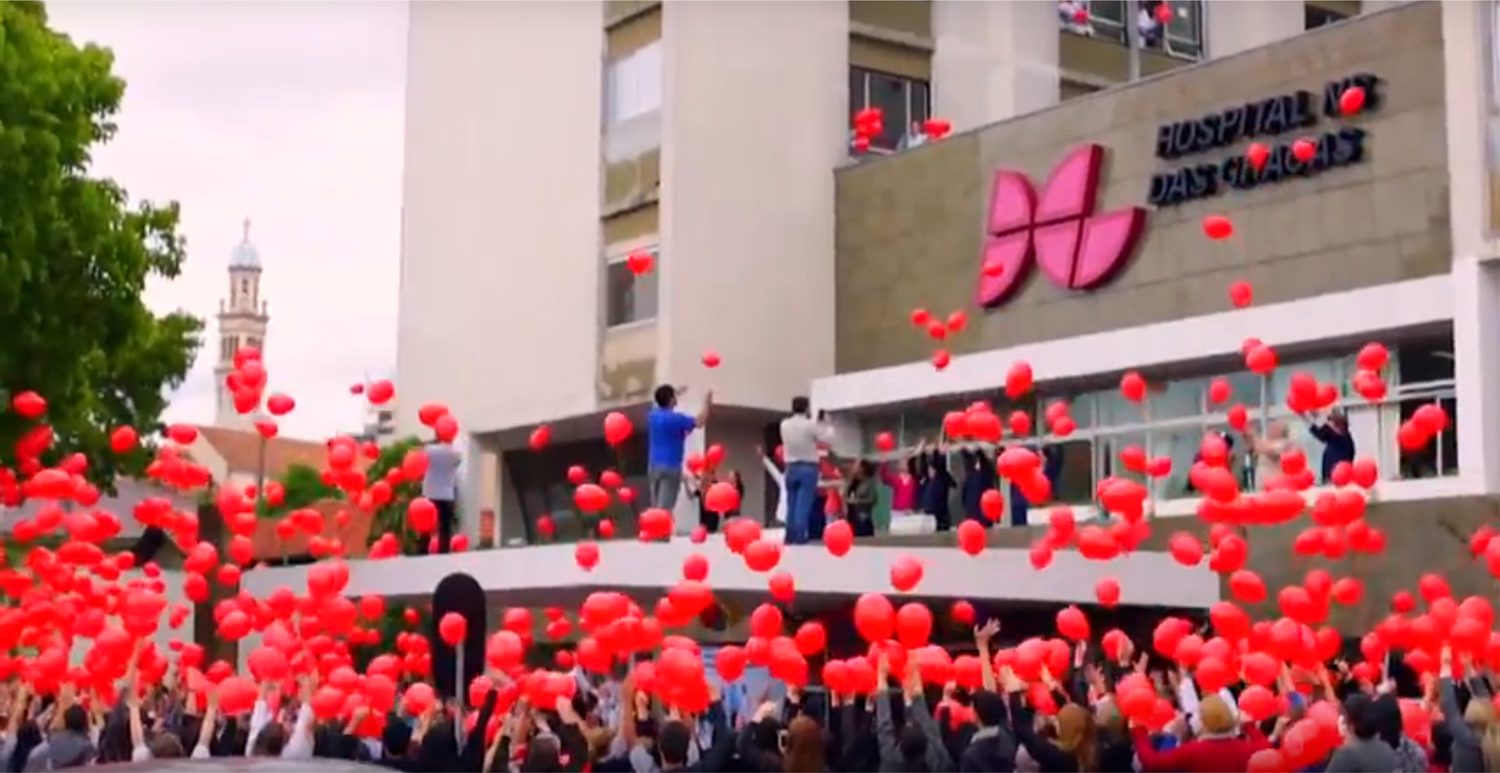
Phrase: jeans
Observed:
(666, 485)
(802, 501)
(446, 516)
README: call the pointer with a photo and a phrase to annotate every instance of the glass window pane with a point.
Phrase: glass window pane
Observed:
(629, 298)
(1116, 411)
(1080, 408)
(1244, 389)
(1281, 380)
(888, 94)
(1107, 10)
(1110, 447)
(1075, 473)
(1176, 399)
(921, 102)
(1180, 444)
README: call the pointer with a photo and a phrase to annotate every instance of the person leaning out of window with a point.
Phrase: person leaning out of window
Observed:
(1333, 433)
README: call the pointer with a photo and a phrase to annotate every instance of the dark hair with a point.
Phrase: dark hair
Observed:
(665, 394)
(805, 746)
(1388, 720)
(672, 741)
(270, 742)
(989, 708)
(913, 745)
(166, 746)
(543, 755)
(800, 404)
(76, 719)
(1360, 714)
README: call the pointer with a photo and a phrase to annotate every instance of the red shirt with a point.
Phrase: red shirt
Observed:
(1207, 755)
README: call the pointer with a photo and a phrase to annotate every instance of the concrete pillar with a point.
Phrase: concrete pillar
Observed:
(993, 60)
(1229, 28)
(1469, 52)
(1476, 350)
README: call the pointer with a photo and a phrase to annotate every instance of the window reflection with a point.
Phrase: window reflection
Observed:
(1110, 449)
(1075, 478)
(1177, 416)
(1181, 446)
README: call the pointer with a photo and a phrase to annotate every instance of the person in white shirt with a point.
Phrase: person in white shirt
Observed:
(440, 486)
(800, 437)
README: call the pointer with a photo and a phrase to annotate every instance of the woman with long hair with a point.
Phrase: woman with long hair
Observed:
(1075, 748)
(805, 747)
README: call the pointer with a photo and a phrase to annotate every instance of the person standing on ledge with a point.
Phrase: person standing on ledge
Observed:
(667, 431)
(800, 437)
(440, 487)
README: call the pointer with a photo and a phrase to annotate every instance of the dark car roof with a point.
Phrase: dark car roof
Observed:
(246, 764)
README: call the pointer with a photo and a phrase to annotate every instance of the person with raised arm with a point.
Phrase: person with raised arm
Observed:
(800, 437)
(667, 431)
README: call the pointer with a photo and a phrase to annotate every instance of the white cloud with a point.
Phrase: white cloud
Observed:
(291, 114)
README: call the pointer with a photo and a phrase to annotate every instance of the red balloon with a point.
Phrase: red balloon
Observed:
(452, 628)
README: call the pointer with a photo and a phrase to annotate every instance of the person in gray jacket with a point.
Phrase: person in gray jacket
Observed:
(1474, 728)
(1363, 750)
(919, 744)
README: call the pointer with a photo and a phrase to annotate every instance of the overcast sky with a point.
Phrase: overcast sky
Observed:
(289, 113)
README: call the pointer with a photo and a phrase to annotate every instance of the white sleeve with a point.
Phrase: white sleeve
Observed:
(259, 718)
(771, 468)
(300, 745)
(140, 754)
(200, 752)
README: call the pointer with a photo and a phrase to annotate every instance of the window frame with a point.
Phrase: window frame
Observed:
(909, 98)
(619, 258)
(1154, 435)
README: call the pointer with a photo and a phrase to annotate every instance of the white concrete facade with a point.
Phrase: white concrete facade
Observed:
(501, 306)
(1007, 575)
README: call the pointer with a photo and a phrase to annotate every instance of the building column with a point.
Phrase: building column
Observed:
(993, 60)
(1476, 352)
(1229, 28)
(481, 487)
(1469, 51)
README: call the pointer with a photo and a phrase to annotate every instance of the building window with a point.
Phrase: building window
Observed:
(628, 297)
(904, 104)
(253, 343)
(1315, 16)
(1178, 413)
(632, 85)
(1181, 35)
(226, 349)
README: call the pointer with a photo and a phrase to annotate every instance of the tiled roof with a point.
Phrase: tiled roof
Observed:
(241, 450)
(355, 534)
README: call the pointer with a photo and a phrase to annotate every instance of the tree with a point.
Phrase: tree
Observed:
(303, 486)
(75, 255)
(392, 517)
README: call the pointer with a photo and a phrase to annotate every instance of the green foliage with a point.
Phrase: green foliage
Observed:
(303, 486)
(75, 255)
(392, 517)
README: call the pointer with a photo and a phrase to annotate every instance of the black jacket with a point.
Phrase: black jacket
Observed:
(991, 750)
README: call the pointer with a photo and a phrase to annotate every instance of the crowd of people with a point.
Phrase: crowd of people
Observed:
(984, 717)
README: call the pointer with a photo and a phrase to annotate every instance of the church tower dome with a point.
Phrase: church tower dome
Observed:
(242, 321)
